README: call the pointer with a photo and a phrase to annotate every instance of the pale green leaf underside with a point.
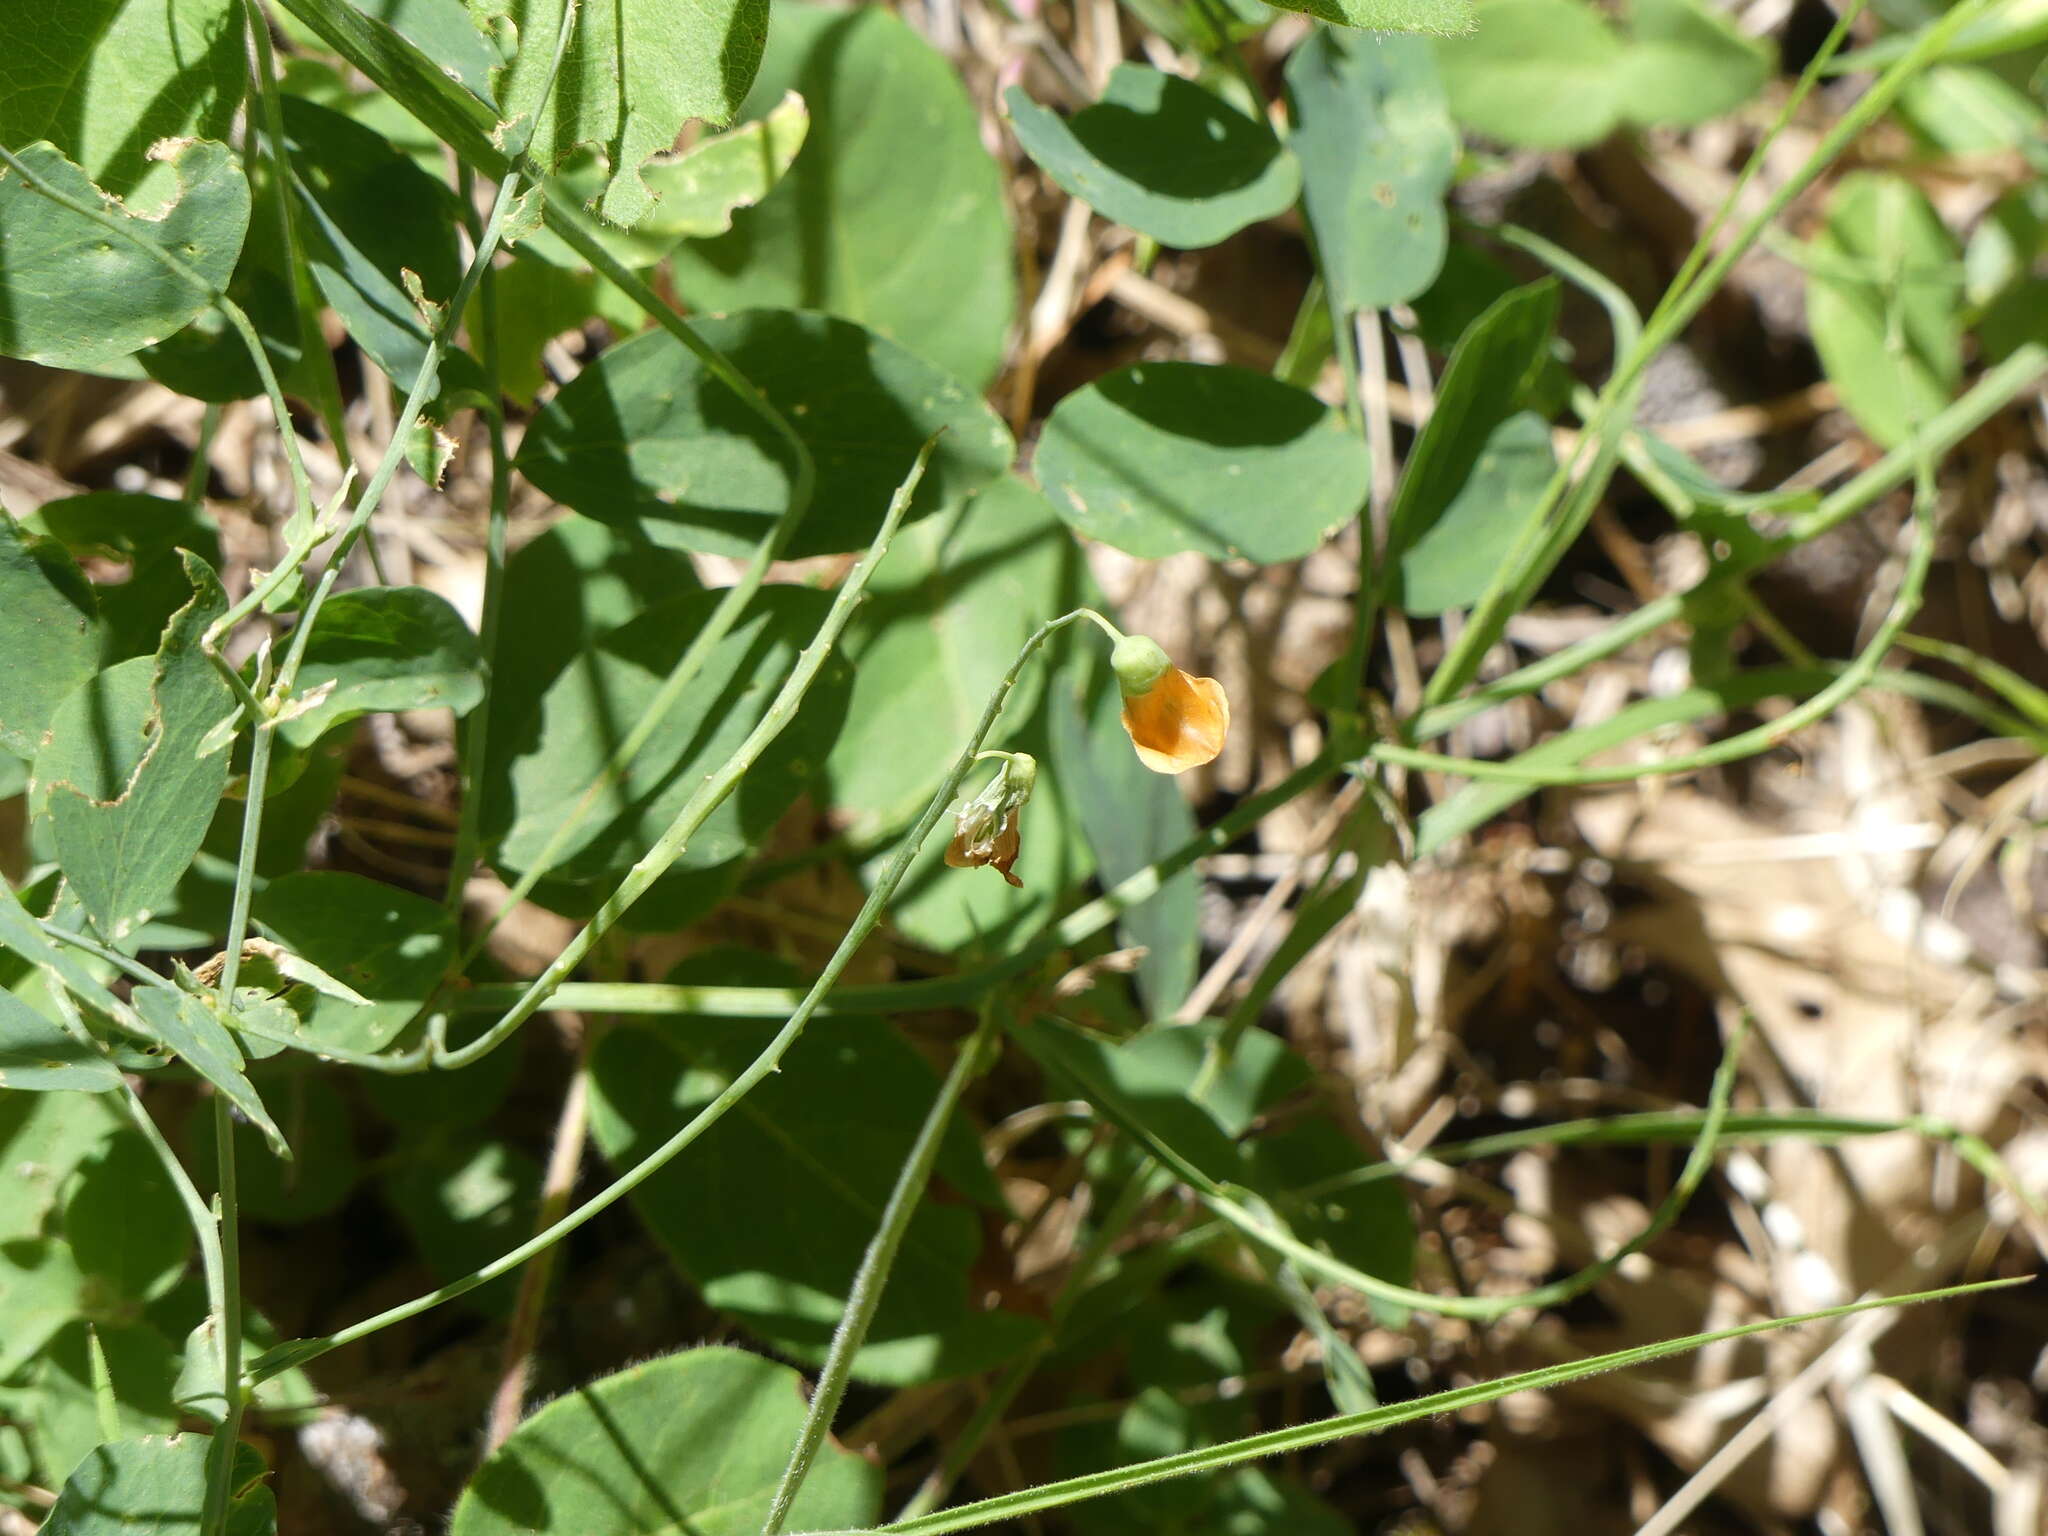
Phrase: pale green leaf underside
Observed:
(1555, 74)
(634, 73)
(1377, 148)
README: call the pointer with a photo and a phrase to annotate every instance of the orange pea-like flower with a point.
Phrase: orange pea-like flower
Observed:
(985, 829)
(1177, 721)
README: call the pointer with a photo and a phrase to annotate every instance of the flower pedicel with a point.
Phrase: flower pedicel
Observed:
(1176, 722)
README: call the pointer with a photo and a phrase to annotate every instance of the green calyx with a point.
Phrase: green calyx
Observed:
(1139, 663)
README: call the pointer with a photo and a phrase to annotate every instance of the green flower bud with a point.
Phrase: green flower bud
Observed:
(1139, 663)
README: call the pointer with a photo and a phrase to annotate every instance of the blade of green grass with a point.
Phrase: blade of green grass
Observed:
(1279, 1442)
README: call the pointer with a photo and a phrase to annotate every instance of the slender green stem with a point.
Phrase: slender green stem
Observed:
(415, 401)
(1270, 1233)
(220, 1453)
(1083, 923)
(730, 607)
(416, 398)
(201, 468)
(1145, 1182)
(476, 726)
(1705, 1129)
(771, 1055)
(228, 1320)
(1010, 1507)
(656, 862)
(1852, 678)
(865, 1296)
(567, 218)
(1574, 487)
(1228, 54)
(1989, 395)
(326, 384)
(1681, 302)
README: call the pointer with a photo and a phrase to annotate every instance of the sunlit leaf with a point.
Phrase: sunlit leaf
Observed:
(645, 439)
(131, 772)
(77, 294)
(103, 80)
(690, 1442)
(1161, 458)
(1882, 294)
(634, 72)
(1376, 147)
(924, 259)
(1161, 155)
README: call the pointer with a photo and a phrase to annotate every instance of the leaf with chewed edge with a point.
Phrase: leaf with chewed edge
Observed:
(130, 777)
(76, 294)
(634, 72)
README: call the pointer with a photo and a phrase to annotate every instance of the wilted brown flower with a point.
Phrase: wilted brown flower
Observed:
(985, 829)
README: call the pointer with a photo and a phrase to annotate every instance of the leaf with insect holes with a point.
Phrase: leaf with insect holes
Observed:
(390, 947)
(380, 240)
(385, 648)
(1377, 149)
(75, 293)
(699, 189)
(144, 531)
